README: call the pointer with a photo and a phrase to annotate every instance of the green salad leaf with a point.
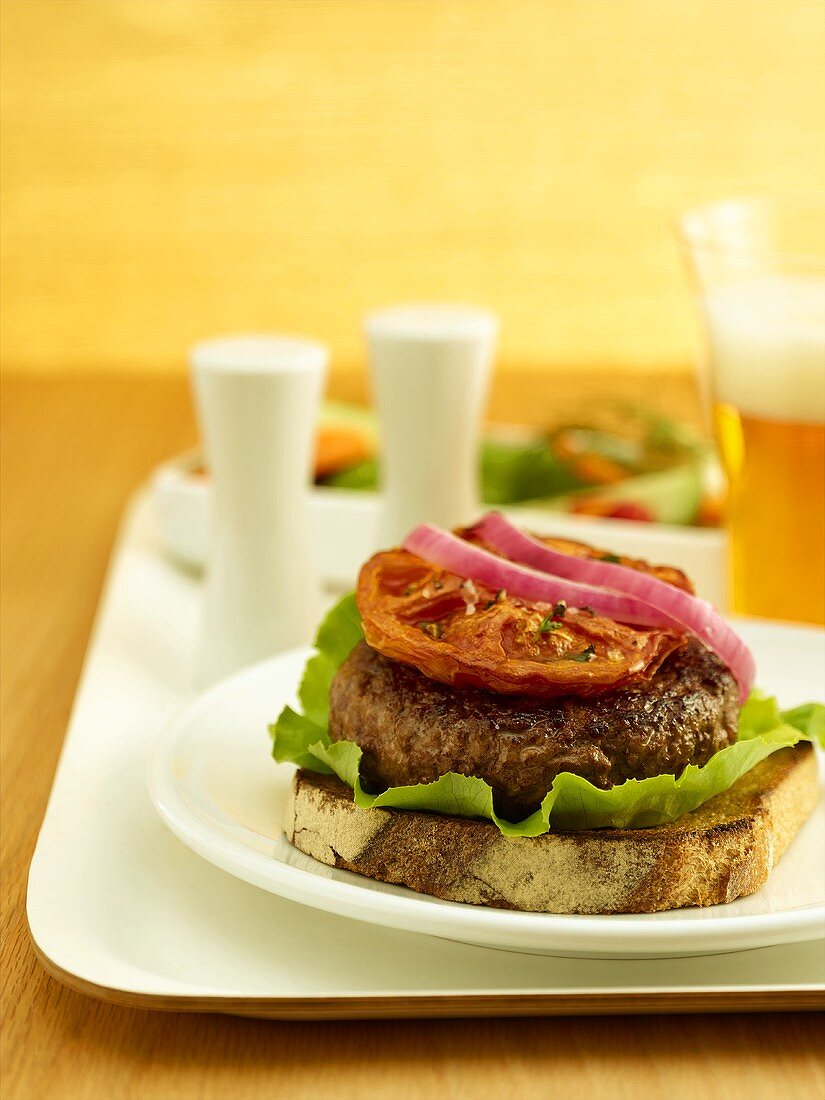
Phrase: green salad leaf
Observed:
(571, 802)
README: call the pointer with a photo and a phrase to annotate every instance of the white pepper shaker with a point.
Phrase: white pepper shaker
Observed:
(431, 367)
(257, 399)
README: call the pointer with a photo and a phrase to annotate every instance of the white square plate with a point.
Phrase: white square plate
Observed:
(119, 908)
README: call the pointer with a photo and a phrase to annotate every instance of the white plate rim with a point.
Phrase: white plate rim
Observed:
(474, 924)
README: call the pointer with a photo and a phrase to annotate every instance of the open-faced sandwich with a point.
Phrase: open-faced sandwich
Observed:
(536, 724)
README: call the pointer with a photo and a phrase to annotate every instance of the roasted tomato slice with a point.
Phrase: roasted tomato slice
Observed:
(461, 633)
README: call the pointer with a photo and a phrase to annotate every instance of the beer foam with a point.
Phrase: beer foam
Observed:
(767, 337)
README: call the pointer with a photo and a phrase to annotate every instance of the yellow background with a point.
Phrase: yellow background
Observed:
(176, 168)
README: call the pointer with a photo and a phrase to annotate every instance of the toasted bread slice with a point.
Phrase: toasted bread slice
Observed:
(719, 852)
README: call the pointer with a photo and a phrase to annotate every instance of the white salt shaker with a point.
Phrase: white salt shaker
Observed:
(257, 399)
(431, 367)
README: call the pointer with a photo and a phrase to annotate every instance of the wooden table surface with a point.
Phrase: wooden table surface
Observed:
(72, 451)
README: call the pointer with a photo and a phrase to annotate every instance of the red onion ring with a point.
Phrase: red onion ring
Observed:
(457, 556)
(691, 613)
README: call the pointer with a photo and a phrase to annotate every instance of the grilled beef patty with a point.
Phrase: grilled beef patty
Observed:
(412, 729)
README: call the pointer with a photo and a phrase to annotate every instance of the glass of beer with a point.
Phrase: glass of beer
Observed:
(760, 269)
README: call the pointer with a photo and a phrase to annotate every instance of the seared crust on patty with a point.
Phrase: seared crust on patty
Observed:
(412, 729)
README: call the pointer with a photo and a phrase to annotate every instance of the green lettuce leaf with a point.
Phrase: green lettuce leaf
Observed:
(571, 803)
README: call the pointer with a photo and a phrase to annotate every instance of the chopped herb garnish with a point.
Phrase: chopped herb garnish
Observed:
(585, 655)
(559, 610)
(435, 630)
(437, 584)
(548, 624)
(613, 558)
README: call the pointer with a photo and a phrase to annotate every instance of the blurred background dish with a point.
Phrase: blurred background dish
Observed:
(344, 521)
(615, 462)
